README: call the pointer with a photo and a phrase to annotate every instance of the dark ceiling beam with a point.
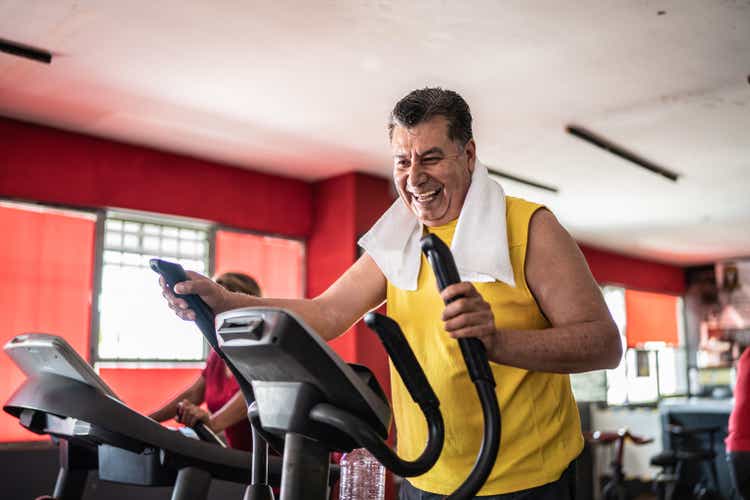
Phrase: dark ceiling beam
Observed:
(515, 178)
(617, 150)
(25, 51)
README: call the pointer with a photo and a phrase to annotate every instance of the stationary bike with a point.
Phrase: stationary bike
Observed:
(615, 488)
(683, 464)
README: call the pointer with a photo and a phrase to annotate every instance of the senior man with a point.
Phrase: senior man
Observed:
(526, 292)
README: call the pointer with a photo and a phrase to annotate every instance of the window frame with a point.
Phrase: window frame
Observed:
(144, 217)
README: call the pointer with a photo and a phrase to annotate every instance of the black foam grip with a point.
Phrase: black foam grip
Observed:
(441, 260)
(477, 363)
(403, 358)
(446, 274)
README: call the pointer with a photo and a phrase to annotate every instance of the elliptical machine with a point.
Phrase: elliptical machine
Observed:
(306, 402)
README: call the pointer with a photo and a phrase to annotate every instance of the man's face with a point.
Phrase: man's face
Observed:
(432, 173)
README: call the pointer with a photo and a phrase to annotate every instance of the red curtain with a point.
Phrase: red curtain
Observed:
(651, 317)
(277, 264)
(45, 286)
(162, 385)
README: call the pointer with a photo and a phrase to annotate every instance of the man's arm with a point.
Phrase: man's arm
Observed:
(361, 288)
(583, 336)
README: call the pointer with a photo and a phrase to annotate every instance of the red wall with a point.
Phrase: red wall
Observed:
(611, 268)
(49, 165)
(331, 247)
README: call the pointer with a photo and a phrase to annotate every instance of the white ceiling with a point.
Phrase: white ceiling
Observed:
(303, 89)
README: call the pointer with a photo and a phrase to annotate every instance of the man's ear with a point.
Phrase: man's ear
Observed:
(471, 154)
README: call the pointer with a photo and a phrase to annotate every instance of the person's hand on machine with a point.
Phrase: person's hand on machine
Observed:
(190, 414)
(218, 298)
(468, 315)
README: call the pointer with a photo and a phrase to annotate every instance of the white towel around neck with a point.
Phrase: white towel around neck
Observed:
(480, 242)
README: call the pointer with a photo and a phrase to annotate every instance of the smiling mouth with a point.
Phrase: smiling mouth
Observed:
(426, 197)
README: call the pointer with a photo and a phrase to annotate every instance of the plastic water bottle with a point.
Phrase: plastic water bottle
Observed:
(362, 476)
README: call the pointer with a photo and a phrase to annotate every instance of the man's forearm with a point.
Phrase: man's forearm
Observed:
(324, 322)
(581, 347)
(361, 288)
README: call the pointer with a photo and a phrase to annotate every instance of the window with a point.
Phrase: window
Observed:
(654, 357)
(132, 324)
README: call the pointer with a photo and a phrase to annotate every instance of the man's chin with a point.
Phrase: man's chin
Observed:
(431, 221)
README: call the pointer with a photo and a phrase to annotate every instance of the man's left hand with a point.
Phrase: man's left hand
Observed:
(468, 315)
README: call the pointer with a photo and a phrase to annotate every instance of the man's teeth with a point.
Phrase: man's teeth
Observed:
(425, 196)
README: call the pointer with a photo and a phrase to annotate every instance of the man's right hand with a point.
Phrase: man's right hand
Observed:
(215, 296)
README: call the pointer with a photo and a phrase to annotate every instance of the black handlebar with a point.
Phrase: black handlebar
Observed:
(403, 358)
(477, 364)
(204, 317)
(421, 392)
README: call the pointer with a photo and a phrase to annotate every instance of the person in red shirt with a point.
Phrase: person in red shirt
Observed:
(227, 410)
(738, 439)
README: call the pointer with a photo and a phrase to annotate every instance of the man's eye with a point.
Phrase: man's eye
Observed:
(431, 160)
(403, 163)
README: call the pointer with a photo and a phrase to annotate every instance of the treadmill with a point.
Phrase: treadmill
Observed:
(62, 396)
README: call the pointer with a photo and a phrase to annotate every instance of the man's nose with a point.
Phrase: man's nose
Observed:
(417, 173)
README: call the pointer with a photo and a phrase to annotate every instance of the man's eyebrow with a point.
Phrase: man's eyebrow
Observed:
(434, 150)
(431, 151)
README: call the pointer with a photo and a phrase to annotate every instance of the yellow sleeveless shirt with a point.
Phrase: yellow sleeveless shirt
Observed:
(541, 430)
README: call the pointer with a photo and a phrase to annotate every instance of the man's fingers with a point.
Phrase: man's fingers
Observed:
(462, 305)
(175, 303)
(480, 332)
(197, 284)
(479, 318)
(456, 290)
